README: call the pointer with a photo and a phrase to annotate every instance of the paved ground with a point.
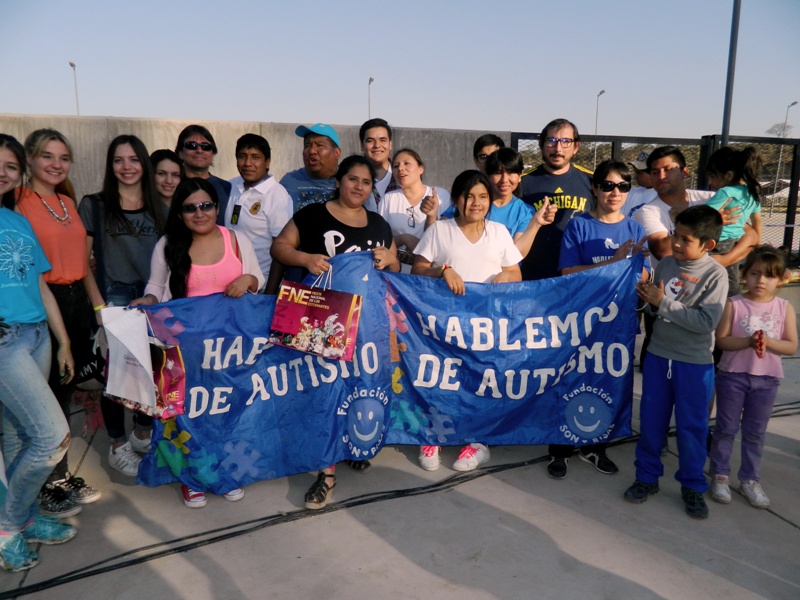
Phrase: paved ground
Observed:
(506, 531)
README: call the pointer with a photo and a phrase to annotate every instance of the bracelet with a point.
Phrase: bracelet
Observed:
(98, 307)
(445, 266)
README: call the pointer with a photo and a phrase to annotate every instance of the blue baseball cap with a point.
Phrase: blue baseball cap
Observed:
(319, 129)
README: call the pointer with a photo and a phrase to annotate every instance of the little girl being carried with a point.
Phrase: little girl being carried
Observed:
(756, 328)
(734, 174)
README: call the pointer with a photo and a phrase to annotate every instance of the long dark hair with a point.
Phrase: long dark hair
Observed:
(12, 144)
(110, 192)
(462, 185)
(179, 237)
(745, 165)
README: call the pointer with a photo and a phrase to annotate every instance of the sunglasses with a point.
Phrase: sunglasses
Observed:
(190, 209)
(411, 220)
(608, 186)
(551, 142)
(205, 146)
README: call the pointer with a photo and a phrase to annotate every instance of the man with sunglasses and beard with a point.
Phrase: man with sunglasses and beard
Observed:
(196, 148)
(569, 188)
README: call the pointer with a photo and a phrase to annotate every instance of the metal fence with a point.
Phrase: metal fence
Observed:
(781, 167)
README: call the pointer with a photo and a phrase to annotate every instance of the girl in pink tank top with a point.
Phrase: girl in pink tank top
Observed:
(197, 257)
(756, 329)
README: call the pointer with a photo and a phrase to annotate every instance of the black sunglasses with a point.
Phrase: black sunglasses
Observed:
(608, 186)
(190, 209)
(205, 146)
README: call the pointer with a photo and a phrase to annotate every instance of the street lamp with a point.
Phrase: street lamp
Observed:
(369, 97)
(596, 115)
(75, 78)
(780, 158)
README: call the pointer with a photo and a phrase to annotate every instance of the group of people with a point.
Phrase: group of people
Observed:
(164, 227)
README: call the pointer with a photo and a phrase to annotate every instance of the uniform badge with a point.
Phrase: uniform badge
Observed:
(255, 208)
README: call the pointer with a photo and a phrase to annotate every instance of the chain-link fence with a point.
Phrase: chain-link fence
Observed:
(780, 167)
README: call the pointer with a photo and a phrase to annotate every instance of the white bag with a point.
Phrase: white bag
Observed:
(130, 369)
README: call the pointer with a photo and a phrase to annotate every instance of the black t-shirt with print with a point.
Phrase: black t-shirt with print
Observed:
(321, 233)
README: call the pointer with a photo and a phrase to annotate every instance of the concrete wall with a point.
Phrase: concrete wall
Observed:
(446, 152)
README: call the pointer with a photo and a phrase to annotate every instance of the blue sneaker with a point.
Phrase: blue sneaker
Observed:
(48, 530)
(16, 556)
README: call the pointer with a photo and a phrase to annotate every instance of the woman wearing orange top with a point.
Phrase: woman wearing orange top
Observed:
(55, 221)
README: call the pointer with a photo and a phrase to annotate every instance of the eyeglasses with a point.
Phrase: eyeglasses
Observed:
(412, 222)
(205, 146)
(190, 209)
(565, 142)
(608, 186)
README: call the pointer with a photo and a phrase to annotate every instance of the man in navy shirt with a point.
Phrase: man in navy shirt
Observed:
(568, 187)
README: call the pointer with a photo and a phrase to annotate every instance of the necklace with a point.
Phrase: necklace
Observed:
(63, 220)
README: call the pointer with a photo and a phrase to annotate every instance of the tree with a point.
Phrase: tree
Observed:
(778, 130)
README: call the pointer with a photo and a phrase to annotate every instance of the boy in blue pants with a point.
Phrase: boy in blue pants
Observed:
(687, 297)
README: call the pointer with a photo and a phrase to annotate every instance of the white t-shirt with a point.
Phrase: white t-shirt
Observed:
(655, 216)
(265, 209)
(382, 184)
(637, 198)
(444, 243)
(398, 212)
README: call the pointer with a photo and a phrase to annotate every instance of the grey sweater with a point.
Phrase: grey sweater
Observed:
(694, 297)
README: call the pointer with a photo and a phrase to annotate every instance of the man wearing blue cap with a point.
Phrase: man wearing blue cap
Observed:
(315, 182)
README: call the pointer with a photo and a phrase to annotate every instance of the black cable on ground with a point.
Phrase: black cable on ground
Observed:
(221, 534)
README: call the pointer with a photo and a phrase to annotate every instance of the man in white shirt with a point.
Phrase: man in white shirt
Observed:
(259, 207)
(376, 143)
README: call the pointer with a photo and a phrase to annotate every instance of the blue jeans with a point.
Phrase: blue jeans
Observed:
(121, 294)
(688, 388)
(35, 432)
(747, 400)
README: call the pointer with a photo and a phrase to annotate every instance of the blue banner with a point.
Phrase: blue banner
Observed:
(524, 363)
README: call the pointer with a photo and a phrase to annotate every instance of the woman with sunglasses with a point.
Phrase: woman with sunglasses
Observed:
(36, 435)
(593, 239)
(46, 202)
(123, 223)
(412, 208)
(197, 257)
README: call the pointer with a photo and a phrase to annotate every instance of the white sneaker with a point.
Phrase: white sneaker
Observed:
(124, 459)
(234, 495)
(720, 489)
(140, 445)
(754, 494)
(429, 458)
(471, 457)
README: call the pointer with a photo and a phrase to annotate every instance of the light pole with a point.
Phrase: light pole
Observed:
(75, 78)
(780, 158)
(369, 97)
(596, 116)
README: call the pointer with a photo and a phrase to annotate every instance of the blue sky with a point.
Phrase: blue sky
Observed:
(511, 65)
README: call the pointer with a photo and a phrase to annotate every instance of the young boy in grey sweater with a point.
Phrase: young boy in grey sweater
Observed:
(687, 297)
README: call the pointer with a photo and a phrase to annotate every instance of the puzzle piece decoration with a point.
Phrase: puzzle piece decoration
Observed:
(408, 420)
(397, 387)
(166, 332)
(438, 426)
(396, 348)
(240, 460)
(203, 467)
(397, 317)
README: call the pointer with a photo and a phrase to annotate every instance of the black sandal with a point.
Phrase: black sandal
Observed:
(320, 493)
(361, 466)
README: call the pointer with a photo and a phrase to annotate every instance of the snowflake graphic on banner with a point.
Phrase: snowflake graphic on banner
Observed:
(15, 257)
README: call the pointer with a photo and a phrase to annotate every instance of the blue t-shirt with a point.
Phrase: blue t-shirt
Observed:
(515, 215)
(22, 260)
(572, 194)
(742, 199)
(588, 241)
(305, 190)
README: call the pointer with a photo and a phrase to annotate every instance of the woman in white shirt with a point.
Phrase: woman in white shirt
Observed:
(467, 248)
(411, 209)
